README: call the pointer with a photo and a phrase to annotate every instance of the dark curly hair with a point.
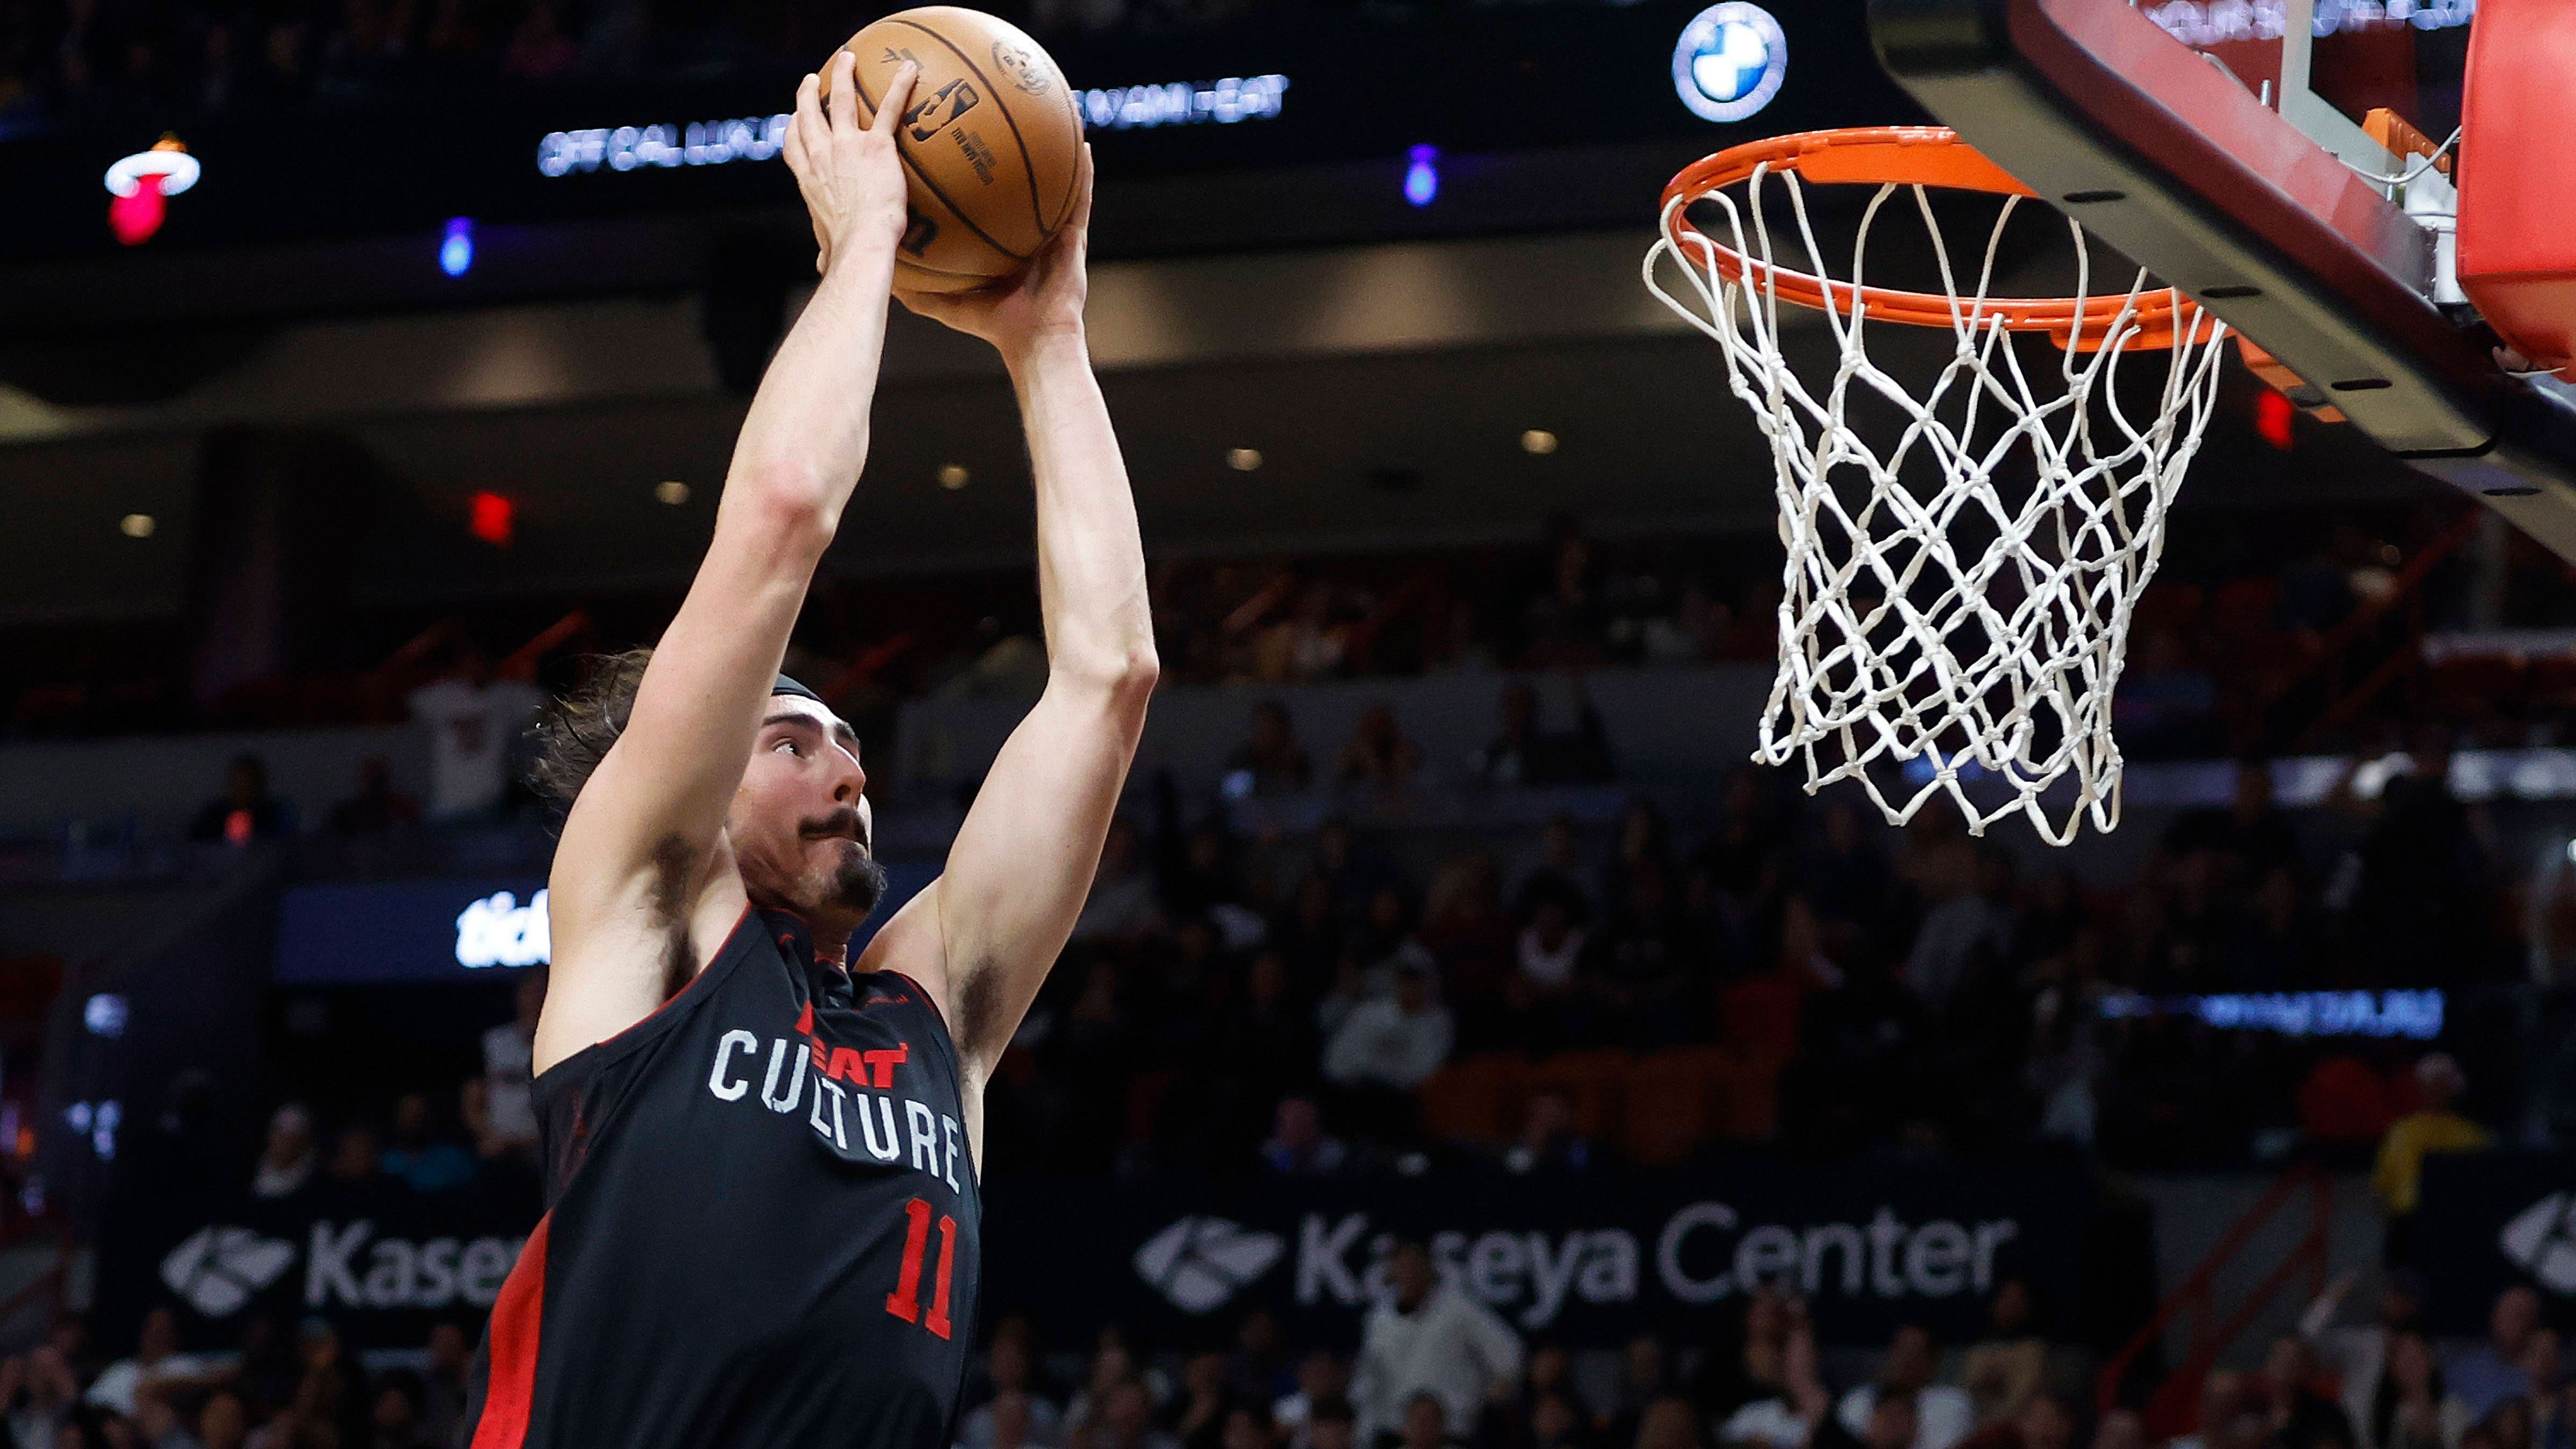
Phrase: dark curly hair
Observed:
(574, 733)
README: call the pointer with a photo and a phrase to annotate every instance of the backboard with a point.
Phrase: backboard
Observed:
(2231, 147)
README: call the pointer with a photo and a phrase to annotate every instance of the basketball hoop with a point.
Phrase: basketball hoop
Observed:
(1915, 655)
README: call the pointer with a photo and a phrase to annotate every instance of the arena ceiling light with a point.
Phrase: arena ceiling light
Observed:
(1538, 442)
(137, 525)
(673, 492)
(953, 476)
(1243, 460)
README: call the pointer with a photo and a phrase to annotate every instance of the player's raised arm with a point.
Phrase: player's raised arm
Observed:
(1023, 859)
(640, 841)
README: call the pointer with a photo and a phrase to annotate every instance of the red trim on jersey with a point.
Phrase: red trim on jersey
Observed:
(931, 1001)
(510, 1381)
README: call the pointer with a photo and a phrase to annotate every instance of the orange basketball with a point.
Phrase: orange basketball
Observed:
(990, 142)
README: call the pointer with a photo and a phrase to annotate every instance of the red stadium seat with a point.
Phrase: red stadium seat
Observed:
(1670, 1112)
(1594, 1079)
(1474, 1099)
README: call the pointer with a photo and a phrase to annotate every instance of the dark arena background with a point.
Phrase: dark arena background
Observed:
(1443, 901)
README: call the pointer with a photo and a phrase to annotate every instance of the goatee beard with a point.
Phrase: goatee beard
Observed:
(859, 884)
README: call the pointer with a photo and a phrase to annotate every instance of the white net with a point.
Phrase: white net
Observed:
(1965, 553)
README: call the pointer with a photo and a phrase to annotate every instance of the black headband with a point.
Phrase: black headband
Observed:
(786, 685)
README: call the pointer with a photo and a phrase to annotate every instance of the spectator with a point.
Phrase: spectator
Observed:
(1122, 903)
(1258, 1371)
(2299, 1416)
(1555, 1422)
(2251, 832)
(1892, 1424)
(355, 1162)
(378, 808)
(2398, 1177)
(1557, 874)
(2357, 1355)
(1332, 1425)
(1197, 1415)
(2406, 1408)
(395, 1415)
(2010, 1364)
(1308, 644)
(2120, 1429)
(1640, 969)
(223, 1423)
(2043, 1423)
(2420, 876)
(2164, 702)
(41, 1394)
(1645, 1377)
(1942, 1415)
(156, 1361)
(1271, 762)
(1426, 1424)
(1127, 1421)
(1007, 1363)
(508, 1052)
(474, 721)
(1962, 927)
(445, 1386)
(420, 1158)
(1544, 960)
(1247, 1426)
(1392, 1041)
(1378, 758)
(1323, 1383)
(1112, 1366)
(1548, 1141)
(287, 1163)
(1299, 1145)
(245, 812)
(2222, 1399)
(1522, 753)
(1009, 1423)
(156, 1424)
(2490, 1373)
(1784, 1401)
(1428, 1337)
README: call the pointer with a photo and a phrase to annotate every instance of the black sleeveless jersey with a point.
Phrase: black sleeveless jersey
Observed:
(761, 1225)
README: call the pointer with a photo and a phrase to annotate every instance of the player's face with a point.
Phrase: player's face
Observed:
(800, 825)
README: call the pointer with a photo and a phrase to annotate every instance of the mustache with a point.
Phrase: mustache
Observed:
(845, 821)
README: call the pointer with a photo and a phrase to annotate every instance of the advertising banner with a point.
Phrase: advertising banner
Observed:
(2491, 1220)
(1587, 1259)
(1584, 1258)
(384, 1263)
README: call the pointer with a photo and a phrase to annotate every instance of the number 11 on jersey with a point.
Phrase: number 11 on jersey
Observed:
(905, 1301)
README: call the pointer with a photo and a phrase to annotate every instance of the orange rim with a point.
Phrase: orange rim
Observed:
(1904, 156)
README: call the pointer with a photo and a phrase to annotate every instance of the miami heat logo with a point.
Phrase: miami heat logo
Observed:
(856, 1100)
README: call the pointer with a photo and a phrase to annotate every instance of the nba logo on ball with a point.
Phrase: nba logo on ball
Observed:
(1730, 61)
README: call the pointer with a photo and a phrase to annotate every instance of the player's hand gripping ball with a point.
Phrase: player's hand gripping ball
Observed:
(990, 137)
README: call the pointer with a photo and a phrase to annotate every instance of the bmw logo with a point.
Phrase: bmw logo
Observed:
(1730, 61)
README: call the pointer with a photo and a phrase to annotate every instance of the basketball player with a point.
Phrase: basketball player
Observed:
(761, 1156)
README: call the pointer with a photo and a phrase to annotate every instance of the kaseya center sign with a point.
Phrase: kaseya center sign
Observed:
(1586, 1257)
(383, 1263)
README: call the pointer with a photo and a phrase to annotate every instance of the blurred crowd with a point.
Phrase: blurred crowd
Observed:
(1427, 1365)
(2296, 635)
(1319, 1003)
